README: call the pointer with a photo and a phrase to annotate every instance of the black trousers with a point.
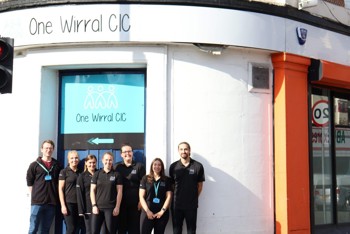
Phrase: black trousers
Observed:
(129, 219)
(178, 217)
(158, 225)
(72, 219)
(105, 215)
(88, 223)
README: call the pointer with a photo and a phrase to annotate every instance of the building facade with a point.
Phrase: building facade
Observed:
(260, 89)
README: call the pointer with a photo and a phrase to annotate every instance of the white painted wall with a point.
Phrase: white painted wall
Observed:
(230, 132)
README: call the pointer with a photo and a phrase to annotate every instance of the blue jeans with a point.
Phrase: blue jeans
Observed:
(41, 217)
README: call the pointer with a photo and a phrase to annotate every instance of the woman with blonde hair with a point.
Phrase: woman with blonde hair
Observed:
(106, 195)
(67, 192)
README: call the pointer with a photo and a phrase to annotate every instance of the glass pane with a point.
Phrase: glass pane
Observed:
(342, 151)
(321, 161)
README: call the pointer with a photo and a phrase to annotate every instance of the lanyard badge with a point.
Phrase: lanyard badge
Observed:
(156, 187)
(48, 177)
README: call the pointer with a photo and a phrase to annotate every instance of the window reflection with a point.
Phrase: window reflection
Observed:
(321, 161)
(342, 152)
(330, 157)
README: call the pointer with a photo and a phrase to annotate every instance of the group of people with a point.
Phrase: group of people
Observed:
(118, 198)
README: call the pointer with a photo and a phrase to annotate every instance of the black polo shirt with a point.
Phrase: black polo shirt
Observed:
(186, 181)
(70, 177)
(132, 176)
(106, 188)
(162, 185)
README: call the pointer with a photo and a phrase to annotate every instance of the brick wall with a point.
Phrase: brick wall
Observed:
(336, 2)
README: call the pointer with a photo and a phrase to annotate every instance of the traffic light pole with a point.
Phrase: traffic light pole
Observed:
(6, 64)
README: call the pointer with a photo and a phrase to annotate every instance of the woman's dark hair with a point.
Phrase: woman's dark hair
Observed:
(150, 176)
(89, 157)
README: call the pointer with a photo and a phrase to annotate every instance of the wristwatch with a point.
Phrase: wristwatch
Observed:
(163, 209)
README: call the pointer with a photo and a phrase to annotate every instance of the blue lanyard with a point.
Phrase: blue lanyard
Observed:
(156, 187)
(48, 172)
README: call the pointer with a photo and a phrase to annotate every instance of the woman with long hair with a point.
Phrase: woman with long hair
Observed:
(155, 196)
(83, 191)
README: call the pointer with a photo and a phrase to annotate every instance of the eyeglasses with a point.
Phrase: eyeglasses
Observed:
(129, 151)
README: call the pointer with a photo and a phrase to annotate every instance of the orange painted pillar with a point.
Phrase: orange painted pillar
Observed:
(292, 195)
